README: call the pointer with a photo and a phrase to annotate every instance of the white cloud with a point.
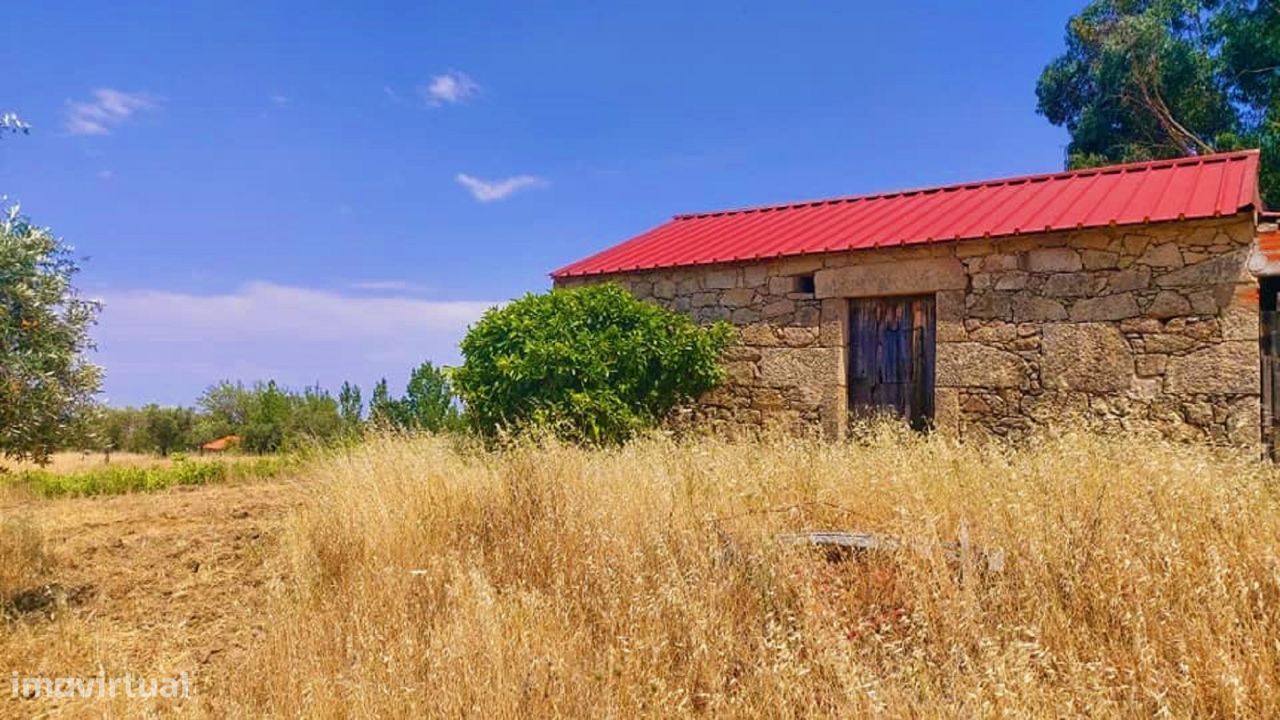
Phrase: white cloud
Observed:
(387, 285)
(166, 346)
(107, 109)
(490, 190)
(450, 88)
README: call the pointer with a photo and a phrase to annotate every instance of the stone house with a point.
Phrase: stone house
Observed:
(1126, 292)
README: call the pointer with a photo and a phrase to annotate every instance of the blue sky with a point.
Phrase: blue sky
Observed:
(320, 191)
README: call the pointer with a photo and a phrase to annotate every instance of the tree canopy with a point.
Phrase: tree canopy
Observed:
(45, 383)
(1152, 79)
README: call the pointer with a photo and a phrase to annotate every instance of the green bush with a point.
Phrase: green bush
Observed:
(120, 479)
(591, 364)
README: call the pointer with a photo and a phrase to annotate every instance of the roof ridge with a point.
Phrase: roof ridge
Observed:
(996, 182)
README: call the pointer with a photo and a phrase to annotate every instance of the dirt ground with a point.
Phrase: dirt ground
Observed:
(149, 584)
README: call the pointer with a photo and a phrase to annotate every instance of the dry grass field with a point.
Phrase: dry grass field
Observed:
(413, 578)
(71, 461)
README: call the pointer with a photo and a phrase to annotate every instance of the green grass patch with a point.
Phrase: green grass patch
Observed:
(122, 479)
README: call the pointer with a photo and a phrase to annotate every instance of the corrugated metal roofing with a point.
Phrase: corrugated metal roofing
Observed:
(1186, 188)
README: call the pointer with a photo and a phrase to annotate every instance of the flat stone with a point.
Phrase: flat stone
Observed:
(767, 399)
(1226, 268)
(1092, 239)
(1243, 231)
(832, 323)
(1001, 263)
(1204, 235)
(664, 289)
(1087, 357)
(795, 367)
(1168, 304)
(1141, 325)
(740, 372)
(741, 352)
(971, 364)
(991, 305)
(1135, 244)
(711, 313)
(1167, 342)
(1053, 260)
(1198, 413)
(1069, 285)
(760, 335)
(737, 297)
(1240, 323)
(1012, 281)
(781, 285)
(946, 410)
(1033, 308)
(896, 278)
(1135, 278)
(1099, 259)
(703, 299)
(994, 332)
(1107, 307)
(1204, 302)
(1228, 368)
(1243, 421)
(950, 331)
(1149, 365)
(778, 307)
(754, 276)
(1165, 255)
(720, 279)
(972, 248)
(949, 304)
(798, 265)
(808, 314)
(798, 336)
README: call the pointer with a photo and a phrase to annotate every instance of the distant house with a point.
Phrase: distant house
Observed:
(993, 307)
(222, 444)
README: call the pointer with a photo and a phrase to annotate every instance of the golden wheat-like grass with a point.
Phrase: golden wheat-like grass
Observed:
(1141, 579)
(22, 556)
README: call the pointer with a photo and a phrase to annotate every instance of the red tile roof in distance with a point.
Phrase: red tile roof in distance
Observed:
(1186, 188)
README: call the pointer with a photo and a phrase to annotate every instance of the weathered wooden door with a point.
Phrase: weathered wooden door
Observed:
(1269, 347)
(891, 357)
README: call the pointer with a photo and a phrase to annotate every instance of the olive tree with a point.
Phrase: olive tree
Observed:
(45, 381)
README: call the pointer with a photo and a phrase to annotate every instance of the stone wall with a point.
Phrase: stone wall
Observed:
(1154, 322)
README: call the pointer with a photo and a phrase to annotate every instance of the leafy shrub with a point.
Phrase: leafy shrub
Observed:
(592, 364)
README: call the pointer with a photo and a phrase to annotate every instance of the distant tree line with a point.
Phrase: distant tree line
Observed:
(270, 418)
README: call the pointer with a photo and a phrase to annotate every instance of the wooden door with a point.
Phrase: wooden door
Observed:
(891, 358)
(1269, 348)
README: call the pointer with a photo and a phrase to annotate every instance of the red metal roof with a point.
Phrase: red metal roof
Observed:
(1186, 188)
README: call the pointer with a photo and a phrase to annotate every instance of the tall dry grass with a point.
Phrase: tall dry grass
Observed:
(1141, 579)
(69, 461)
(23, 560)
